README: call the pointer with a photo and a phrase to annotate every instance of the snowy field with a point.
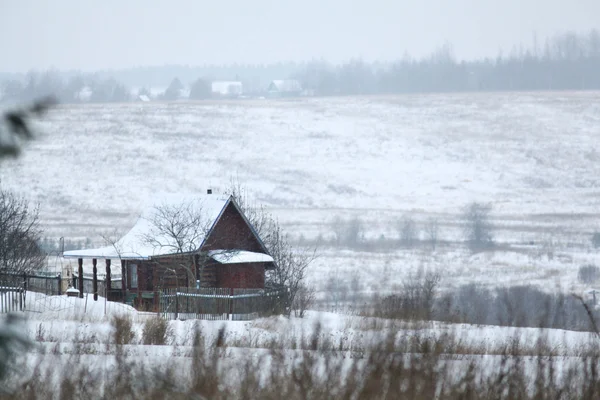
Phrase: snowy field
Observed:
(531, 155)
(63, 321)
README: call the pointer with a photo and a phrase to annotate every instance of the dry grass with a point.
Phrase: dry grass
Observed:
(410, 366)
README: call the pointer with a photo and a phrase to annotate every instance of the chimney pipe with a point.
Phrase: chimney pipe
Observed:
(209, 191)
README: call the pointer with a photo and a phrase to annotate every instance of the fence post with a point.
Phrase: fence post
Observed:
(80, 272)
(59, 283)
(176, 302)
(230, 316)
(25, 281)
(108, 279)
(124, 281)
(95, 279)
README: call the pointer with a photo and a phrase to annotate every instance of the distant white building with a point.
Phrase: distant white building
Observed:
(227, 88)
(84, 94)
(284, 87)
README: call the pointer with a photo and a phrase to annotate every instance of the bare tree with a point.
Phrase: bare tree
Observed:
(291, 264)
(432, 228)
(348, 232)
(408, 231)
(478, 229)
(20, 235)
(179, 229)
(415, 300)
(355, 232)
(338, 226)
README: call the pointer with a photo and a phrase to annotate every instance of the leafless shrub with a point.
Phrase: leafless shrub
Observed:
(407, 229)
(156, 331)
(518, 306)
(415, 301)
(588, 274)
(303, 300)
(348, 232)
(596, 239)
(355, 285)
(337, 291)
(122, 329)
(478, 229)
(432, 228)
(291, 264)
(20, 234)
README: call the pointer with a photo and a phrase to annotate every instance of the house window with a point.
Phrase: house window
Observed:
(134, 275)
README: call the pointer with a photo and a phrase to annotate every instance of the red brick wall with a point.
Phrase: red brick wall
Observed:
(242, 276)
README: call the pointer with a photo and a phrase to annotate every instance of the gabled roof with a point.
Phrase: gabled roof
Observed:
(285, 85)
(133, 245)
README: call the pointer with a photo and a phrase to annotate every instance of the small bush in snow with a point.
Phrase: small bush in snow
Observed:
(415, 301)
(408, 231)
(596, 239)
(122, 330)
(478, 228)
(304, 299)
(156, 331)
(588, 273)
(348, 232)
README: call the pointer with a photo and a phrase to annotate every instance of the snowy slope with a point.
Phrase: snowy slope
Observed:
(533, 156)
(527, 153)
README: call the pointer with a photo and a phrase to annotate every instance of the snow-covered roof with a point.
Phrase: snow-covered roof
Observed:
(227, 87)
(285, 85)
(84, 94)
(134, 246)
(238, 256)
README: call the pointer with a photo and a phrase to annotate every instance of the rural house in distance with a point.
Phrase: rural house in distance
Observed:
(227, 89)
(179, 239)
(284, 88)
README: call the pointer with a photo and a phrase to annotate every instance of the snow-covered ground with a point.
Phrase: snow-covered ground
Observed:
(65, 320)
(533, 156)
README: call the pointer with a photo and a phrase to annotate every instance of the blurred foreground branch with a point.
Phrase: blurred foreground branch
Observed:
(17, 126)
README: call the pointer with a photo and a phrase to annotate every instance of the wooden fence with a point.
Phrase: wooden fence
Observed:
(49, 284)
(12, 297)
(220, 304)
(14, 288)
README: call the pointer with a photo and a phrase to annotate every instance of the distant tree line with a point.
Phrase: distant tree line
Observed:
(73, 89)
(569, 61)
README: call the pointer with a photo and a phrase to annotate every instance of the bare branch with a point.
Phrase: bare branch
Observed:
(179, 229)
(19, 235)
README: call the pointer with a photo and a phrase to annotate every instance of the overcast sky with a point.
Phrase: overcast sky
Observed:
(93, 35)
